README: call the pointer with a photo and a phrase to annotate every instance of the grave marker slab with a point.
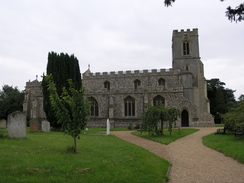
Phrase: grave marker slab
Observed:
(16, 124)
(34, 125)
(45, 126)
(3, 123)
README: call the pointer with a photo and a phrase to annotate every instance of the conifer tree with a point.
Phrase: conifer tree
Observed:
(62, 67)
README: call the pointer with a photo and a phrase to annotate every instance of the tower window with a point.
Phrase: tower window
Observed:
(107, 85)
(161, 82)
(129, 106)
(137, 83)
(186, 49)
(94, 107)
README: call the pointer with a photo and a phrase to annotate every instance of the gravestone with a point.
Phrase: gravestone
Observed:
(16, 125)
(3, 123)
(45, 126)
(34, 125)
(108, 127)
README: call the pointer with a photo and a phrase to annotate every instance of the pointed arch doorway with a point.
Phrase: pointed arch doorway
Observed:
(184, 118)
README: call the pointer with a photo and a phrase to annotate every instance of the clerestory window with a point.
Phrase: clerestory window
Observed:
(137, 84)
(107, 85)
(161, 82)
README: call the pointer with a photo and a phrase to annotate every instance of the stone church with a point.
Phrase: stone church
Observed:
(123, 96)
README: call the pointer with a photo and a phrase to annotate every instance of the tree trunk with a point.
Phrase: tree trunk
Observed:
(162, 126)
(74, 144)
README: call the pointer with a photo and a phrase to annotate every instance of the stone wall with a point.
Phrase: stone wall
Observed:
(122, 86)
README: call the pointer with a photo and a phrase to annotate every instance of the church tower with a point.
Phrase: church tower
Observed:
(186, 57)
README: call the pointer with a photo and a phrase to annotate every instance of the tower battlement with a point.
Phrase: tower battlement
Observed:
(194, 31)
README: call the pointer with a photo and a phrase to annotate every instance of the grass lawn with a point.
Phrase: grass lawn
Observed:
(219, 125)
(105, 129)
(45, 157)
(227, 144)
(166, 138)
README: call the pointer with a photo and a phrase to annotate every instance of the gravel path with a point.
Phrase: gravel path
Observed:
(192, 162)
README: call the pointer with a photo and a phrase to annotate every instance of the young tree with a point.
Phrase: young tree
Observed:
(233, 14)
(62, 67)
(150, 120)
(163, 116)
(173, 115)
(11, 100)
(154, 114)
(71, 108)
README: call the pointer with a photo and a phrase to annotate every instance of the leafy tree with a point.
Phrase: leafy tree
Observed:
(11, 100)
(71, 108)
(154, 114)
(150, 120)
(221, 98)
(62, 67)
(234, 120)
(241, 98)
(173, 115)
(233, 14)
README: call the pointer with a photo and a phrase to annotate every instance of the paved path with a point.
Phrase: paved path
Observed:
(192, 162)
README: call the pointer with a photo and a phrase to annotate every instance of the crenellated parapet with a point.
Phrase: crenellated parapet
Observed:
(187, 31)
(129, 73)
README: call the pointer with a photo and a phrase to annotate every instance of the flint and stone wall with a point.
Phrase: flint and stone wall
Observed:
(122, 86)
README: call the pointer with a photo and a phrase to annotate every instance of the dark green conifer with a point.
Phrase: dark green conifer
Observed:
(62, 67)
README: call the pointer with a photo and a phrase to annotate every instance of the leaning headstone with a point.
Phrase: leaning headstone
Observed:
(3, 123)
(34, 125)
(45, 126)
(16, 124)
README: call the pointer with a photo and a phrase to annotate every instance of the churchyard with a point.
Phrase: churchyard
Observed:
(47, 157)
(39, 156)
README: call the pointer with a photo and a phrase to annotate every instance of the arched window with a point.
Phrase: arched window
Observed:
(161, 82)
(94, 107)
(107, 85)
(137, 83)
(158, 100)
(186, 48)
(129, 106)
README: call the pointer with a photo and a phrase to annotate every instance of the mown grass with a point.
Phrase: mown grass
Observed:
(227, 144)
(166, 138)
(45, 157)
(219, 125)
(105, 129)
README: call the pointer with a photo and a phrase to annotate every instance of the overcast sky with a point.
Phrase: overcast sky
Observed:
(116, 35)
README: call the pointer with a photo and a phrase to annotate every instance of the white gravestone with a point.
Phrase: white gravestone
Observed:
(45, 126)
(16, 125)
(108, 127)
